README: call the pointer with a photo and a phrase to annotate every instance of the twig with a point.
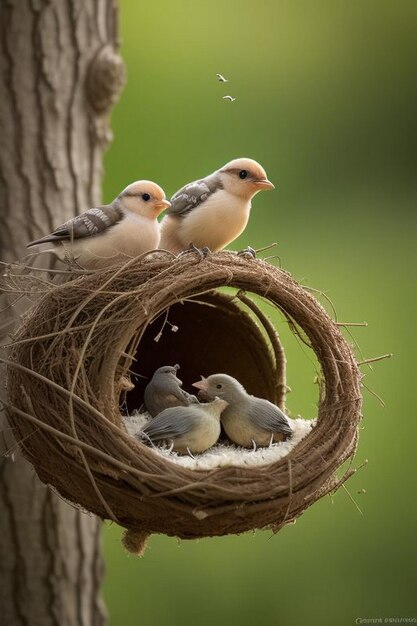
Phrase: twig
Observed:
(351, 323)
(352, 499)
(373, 393)
(271, 245)
(373, 360)
(325, 296)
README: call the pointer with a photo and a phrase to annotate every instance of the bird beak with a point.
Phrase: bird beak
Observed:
(201, 384)
(264, 184)
(177, 367)
(162, 204)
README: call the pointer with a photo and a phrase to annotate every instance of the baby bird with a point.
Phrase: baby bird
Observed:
(164, 391)
(191, 429)
(104, 235)
(213, 211)
(247, 421)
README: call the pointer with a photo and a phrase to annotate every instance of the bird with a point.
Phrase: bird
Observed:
(104, 235)
(248, 421)
(191, 429)
(229, 98)
(221, 78)
(164, 391)
(213, 211)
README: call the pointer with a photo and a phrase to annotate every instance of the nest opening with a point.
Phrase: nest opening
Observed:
(67, 373)
(206, 335)
(215, 332)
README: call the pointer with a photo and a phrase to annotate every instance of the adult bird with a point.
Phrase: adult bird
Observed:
(104, 235)
(213, 211)
(248, 421)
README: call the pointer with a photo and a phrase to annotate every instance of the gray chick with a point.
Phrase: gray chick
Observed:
(247, 421)
(188, 429)
(164, 391)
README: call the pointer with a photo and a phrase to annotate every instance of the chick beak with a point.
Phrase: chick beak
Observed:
(162, 204)
(264, 184)
(201, 384)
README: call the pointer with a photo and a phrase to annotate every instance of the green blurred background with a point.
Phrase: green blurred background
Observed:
(326, 101)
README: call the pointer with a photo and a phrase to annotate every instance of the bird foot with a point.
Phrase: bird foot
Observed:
(248, 253)
(191, 454)
(202, 252)
(171, 447)
(254, 447)
(271, 440)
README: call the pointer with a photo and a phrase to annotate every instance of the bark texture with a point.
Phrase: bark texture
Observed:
(60, 74)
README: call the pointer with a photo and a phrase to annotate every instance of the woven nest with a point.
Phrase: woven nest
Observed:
(72, 357)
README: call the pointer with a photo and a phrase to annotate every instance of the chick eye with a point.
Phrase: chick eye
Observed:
(218, 386)
(243, 174)
(146, 197)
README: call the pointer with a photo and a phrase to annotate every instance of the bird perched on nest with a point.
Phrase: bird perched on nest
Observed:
(190, 429)
(247, 421)
(106, 234)
(164, 391)
(213, 211)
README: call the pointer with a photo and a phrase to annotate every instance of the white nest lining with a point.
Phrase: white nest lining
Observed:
(222, 455)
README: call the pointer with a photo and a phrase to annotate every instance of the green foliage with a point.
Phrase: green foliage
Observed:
(326, 97)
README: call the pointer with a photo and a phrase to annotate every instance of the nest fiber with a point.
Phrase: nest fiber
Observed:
(69, 371)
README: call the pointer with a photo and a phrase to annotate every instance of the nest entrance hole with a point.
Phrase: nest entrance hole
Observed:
(206, 335)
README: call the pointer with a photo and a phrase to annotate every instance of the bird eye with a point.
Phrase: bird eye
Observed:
(219, 386)
(146, 197)
(243, 174)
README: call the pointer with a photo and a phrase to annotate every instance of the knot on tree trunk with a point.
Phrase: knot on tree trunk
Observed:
(105, 79)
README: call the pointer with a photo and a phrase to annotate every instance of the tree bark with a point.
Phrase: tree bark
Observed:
(60, 74)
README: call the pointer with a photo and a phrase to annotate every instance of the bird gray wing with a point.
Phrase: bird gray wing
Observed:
(171, 423)
(91, 222)
(194, 194)
(266, 415)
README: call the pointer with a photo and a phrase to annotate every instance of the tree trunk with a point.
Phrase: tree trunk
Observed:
(59, 76)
